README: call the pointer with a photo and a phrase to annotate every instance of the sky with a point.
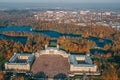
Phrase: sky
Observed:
(64, 1)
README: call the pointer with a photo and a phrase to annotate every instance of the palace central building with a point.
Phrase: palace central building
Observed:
(53, 61)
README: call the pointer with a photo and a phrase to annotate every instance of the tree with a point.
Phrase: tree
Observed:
(109, 73)
(106, 47)
(21, 78)
(2, 76)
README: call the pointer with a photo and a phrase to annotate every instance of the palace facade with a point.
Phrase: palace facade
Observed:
(52, 61)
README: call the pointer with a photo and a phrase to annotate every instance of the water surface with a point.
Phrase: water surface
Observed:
(52, 34)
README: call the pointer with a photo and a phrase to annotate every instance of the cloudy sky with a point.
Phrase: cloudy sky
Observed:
(64, 1)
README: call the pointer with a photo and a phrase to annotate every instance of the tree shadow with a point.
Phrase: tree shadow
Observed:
(60, 76)
(41, 75)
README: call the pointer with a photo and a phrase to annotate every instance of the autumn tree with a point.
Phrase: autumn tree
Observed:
(109, 73)
(2, 76)
(107, 46)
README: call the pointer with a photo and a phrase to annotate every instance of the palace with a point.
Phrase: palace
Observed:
(20, 62)
(53, 61)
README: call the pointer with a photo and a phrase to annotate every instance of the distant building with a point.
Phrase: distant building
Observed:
(115, 25)
(108, 13)
(81, 24)
(84, 12)
(49, 12)
(36, 17)
(102, 23)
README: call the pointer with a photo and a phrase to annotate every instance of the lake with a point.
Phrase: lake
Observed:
(15, 39)
(52, 34)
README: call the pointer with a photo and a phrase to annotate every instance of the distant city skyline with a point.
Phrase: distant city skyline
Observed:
(64, 1)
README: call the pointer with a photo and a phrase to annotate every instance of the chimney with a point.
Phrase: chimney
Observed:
(88, 54)
(57, 46)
